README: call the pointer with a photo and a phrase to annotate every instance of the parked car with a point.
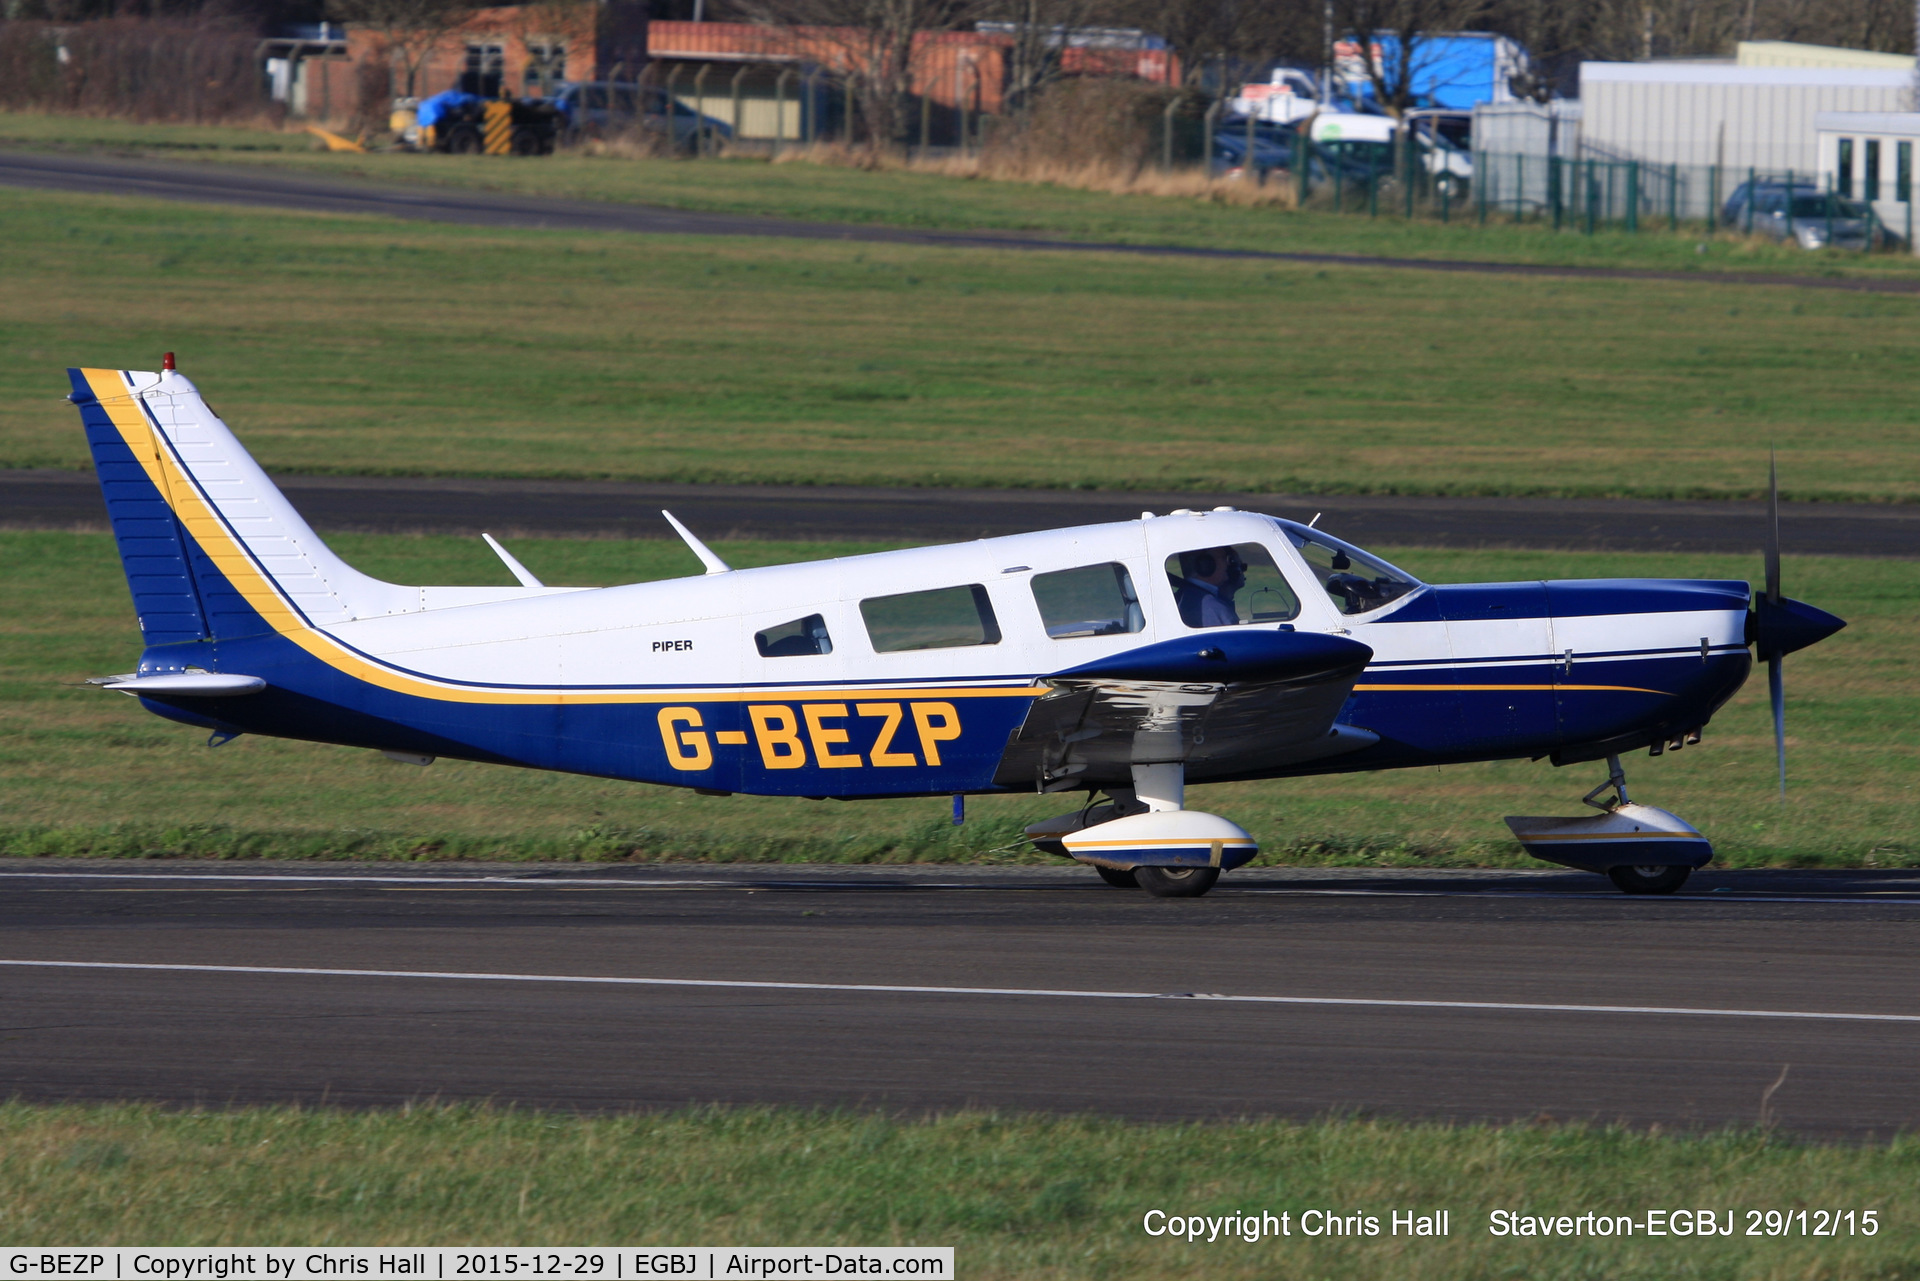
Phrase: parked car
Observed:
(1272, 145)
(1805, 214)
(603, 105)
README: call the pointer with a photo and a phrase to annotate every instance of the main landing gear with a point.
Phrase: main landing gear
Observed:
(1144, 837)
(1642, 850)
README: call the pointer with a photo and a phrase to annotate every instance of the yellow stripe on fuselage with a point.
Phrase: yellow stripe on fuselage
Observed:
(199, 518)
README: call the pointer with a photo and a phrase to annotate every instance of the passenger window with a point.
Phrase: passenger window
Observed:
(1354, 580)
(1094, 600)
(945, 618)
(1224, 586)
(802, 636)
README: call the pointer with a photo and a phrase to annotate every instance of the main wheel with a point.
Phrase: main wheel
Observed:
(1648, 880)
(526, 142)
(1121, 878)
(465, 141)
(1176, 882)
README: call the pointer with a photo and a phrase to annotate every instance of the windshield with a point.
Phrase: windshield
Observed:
(1353, 580)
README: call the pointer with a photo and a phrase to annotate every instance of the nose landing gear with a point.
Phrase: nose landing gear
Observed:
(1641, 849)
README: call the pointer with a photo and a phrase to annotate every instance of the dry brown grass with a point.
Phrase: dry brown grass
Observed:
(1105, 175)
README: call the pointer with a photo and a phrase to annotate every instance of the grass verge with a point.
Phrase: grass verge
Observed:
(366, 345)
(935, 197)
(87, 773)
(1017, 1196)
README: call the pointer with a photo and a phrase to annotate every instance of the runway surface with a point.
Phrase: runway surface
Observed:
(1490, 995)
(241, 185)
(60, 500)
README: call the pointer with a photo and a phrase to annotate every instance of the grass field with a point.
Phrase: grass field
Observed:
(83, 771)
(1017, 1196)
(930, 200)
(363, 345)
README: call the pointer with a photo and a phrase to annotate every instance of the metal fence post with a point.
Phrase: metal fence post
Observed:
(1206, 142)
(1166, 134)
(780, 109)
(1750, 201)
(738, 76)
(1406, 151)
(1633, 196)
(926, 118)
(700, 109)
(1302, 159)
(1673, 196)
(1259, 174)
(1373, 188)
(1480, 195)
(1519, 184)
(1591, 194)
(1340, 177)
(849, 110)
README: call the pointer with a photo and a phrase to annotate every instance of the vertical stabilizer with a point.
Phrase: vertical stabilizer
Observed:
(212, 549)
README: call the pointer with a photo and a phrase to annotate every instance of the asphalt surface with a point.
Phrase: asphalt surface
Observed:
(1459, 996)
(71, 500)
(234, 184)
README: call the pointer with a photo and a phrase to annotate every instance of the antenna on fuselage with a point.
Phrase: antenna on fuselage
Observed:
(514, 567)
(713, 563)
(1315, 520)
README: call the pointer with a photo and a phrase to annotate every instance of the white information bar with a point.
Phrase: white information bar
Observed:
(475, 1263)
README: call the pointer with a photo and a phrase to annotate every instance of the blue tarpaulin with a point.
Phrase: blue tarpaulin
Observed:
(443, 104)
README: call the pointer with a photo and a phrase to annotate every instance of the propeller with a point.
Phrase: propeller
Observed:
(1778, 626)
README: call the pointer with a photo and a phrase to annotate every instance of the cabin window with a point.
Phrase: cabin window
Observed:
(1843, 171)
(945, 618)
(1355, 581)
(1870, 180)
(1226, 586)
(789, 640)
(1903, 172)
(1094, 600)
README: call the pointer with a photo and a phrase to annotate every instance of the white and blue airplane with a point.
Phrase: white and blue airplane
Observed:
(1122, 661)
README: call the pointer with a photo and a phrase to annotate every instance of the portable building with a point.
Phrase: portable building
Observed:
(1721, 115)
(1869, 156)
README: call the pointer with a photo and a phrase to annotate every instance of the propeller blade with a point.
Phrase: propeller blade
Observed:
(1777, 691)
(1773, 529)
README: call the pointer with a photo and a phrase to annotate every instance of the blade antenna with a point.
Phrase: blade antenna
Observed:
(713, 563)
(514, 567)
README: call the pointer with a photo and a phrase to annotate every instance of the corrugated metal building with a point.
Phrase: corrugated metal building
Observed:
(1701, 113)
(1869, 156)
(1786, 53)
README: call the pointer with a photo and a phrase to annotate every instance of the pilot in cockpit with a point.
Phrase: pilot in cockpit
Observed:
(1206, 586)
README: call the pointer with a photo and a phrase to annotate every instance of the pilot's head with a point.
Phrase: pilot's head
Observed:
(1218, 567)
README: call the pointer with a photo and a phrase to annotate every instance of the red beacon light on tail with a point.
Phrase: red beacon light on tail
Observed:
(166, 362)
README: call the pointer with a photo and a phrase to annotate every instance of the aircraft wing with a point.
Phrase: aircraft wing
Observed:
(1221, 703)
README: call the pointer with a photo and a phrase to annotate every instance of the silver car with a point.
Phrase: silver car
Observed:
(1812, 218)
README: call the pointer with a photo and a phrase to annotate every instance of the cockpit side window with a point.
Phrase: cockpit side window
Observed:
(790, 640)
(1354, 581)
(1226, 586)
(1094, 600)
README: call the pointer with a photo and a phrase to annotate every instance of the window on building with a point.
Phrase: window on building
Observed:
(486, 68)
(546, 64)
(1903, 172)
(944, 618)
(1094, 600)
(791, 640)
(1843, 168)
(1870, 181)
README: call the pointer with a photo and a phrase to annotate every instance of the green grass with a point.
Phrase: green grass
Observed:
(932, 201)
(1016, 1196)
(365, 345)
(86, 772)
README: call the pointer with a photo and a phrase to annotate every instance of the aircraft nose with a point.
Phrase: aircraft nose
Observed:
(1781, 629)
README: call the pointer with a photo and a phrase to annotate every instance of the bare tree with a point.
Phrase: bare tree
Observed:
(408, 29)
(1235, 34)
(1395, 41)
(873, 44)
(1040, 32)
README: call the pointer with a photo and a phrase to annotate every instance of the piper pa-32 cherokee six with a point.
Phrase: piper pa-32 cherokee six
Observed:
(1125, 659)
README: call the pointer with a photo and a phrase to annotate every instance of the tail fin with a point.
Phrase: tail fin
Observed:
(211, 548)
